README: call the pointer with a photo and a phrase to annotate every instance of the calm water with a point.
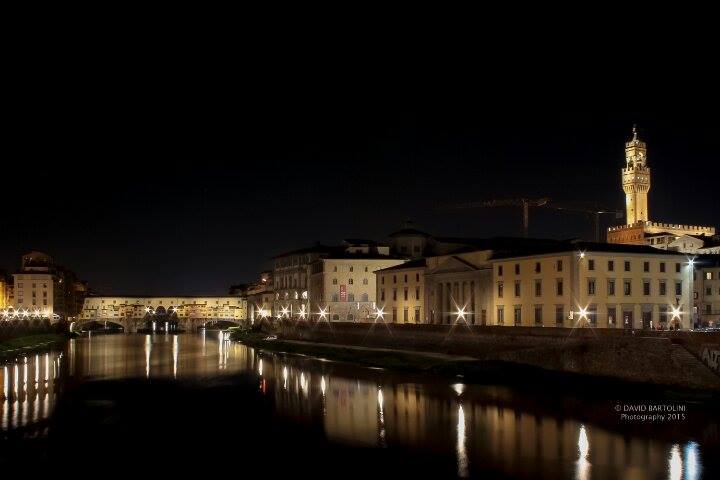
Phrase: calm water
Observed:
(453, 428)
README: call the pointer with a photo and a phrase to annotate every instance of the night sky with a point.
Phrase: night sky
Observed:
(145, 187)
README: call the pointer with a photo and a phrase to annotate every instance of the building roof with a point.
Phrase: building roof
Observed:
(317, 248)
(359, 241)
(409, 232)
(342, 254)
(97, 295)
(419, 263)
(572, 246)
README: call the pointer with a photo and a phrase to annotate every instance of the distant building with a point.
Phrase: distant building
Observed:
(343, 282)
(42, 289)
(260, 296)
(639, 230)
(707, 290)
(544, 283)
(401, 292)
(5, 290)
(598, 285)
(291, 277)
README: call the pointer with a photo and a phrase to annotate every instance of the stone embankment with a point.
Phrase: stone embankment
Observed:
(669, 359)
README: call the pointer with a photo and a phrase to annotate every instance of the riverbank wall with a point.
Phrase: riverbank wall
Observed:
(673, 359)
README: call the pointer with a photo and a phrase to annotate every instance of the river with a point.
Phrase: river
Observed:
(192, 395)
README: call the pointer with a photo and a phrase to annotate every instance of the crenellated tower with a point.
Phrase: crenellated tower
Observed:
(636, 180)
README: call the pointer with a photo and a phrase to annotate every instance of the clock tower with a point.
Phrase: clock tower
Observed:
(636, 180)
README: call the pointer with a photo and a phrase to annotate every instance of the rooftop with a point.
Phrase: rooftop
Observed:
(573, 246)
(419, 263)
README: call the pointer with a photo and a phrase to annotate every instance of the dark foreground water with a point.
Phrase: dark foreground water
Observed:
(173, 403)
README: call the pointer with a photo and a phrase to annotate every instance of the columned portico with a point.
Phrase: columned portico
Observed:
(457, 285)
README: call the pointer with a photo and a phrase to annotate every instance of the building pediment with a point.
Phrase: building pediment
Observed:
(453, 265)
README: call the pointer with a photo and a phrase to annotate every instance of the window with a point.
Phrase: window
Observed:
(350, 281)
(677, 268)
(500, 290)
(538, 315)
(559, 265)
(663, 287)
(611, 266)
(335, 268)
(591, 286)
(559, 286)
(405, 297)
(559, 314)
(366, 268)
(627, 287)
(417, 314)
(501, 316)
(518, 315)
(351, 297)
(334, 281)
(678, 288)
(382, 294)
(592, 315)
(417, 294)
(537, 267)
(336, 317)
(334, 297)
(351, 268)
(394, 294)
(417, 277)
(405, 278)
(708, 291)
(517, 269)
(500, 270)
(627, 266)
(394, 278)
(382, 280)
(646, 266)
(365, 281)
(538, 288)
(708, 275)
(612, 315)
(517, 289)
(646, 287)
(708, 309)
(405, 314)
(365, 297)
(591, 264)
(611, 287)
(662, 267)
(394, 315)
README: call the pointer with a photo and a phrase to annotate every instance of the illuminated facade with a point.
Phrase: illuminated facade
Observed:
(401, 292)
(639, 230)
(707, 290)
(343, 285)
(598, 285)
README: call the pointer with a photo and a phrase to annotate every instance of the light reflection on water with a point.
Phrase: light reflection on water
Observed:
(474, 425)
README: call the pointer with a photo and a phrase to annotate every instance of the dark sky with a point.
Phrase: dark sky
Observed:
(145, 185)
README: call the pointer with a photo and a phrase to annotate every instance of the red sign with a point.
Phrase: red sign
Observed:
(343, 293)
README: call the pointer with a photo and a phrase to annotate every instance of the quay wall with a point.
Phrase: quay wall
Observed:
(673, 359)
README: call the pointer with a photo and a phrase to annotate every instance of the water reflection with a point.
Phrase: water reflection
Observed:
(26, 400)
(468, 426)
(583, 465)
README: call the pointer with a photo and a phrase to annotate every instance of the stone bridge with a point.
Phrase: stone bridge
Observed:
(133, 325)
(135, 313)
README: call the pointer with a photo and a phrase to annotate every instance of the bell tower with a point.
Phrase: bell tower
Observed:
(636, 180)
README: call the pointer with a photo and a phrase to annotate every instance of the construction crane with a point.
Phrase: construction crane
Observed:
(524, 203)
(593, 210)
